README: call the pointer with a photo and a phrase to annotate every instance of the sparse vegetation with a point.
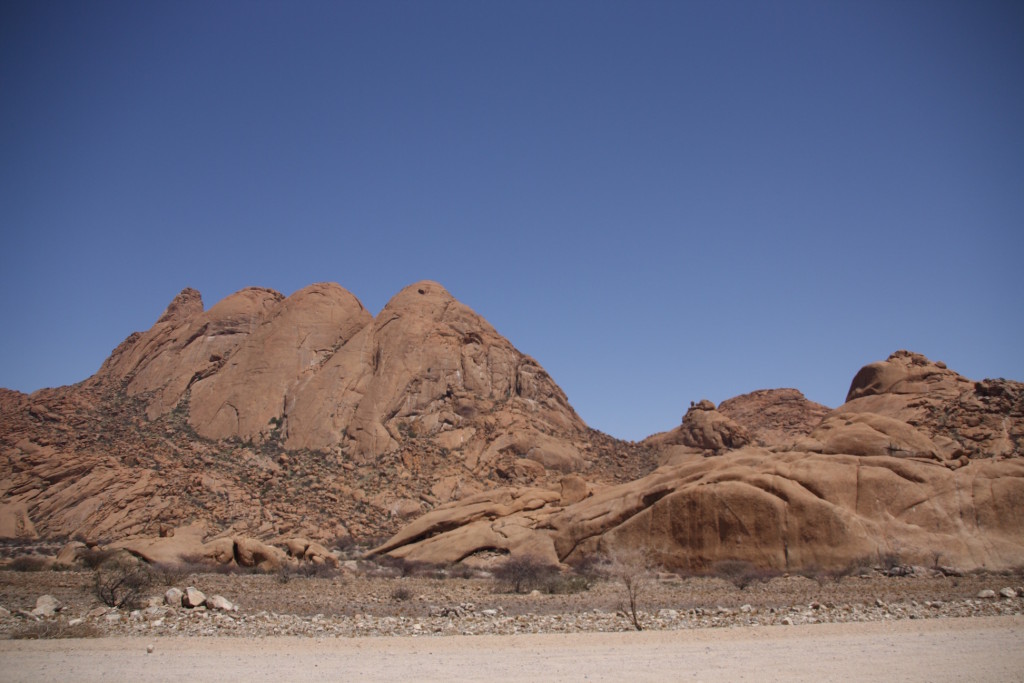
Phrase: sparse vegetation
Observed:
(741, 573)
(92, 558)
(523, 573)
(52, 629)
(29, 563)
(120, 582)
(634, 570)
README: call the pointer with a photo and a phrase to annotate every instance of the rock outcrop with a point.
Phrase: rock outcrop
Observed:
(774, 417)
(888, 473)
(273, 417)
(263, 429)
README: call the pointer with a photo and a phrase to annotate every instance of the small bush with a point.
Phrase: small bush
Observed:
(120, 582)
(46, 630)
(592, 567)
(740, 573)
(634, 569)
(400, 565)
(312, 570)
(523, 573)
(401, 594)
(460, 571)
(28, 563)
(889, 561)
(94, 557)
(565, 584)
(170, 573)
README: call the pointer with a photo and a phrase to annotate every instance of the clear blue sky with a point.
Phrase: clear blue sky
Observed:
(660, 201)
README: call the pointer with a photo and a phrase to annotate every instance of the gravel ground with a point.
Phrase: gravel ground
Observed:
(354, 606)
(935, 650)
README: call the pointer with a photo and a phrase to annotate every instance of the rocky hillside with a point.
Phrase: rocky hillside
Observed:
(268, 421)
(920, 463)
(275, 416)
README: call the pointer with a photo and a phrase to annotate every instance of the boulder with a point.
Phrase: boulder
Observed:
(193, 597)
(221, 604)
(46, 606)
(70, 553)
(173, 597)
(252, 553)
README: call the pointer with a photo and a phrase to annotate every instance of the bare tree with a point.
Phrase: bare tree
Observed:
(634, 570)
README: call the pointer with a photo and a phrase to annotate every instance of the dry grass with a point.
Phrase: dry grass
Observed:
(49, 630)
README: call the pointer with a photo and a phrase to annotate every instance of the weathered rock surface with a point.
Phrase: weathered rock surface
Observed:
(269, 417)
(874, 479)
(704, 428)
(269, 422)
(774, 416)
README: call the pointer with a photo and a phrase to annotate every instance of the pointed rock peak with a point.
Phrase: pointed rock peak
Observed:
(189, 302)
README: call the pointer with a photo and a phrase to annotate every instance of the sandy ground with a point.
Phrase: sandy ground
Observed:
(978, 649)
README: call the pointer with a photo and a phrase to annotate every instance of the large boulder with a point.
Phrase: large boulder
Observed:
(705, 429)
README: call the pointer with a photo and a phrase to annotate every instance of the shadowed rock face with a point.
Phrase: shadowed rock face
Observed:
(273, 415)
(920, 462)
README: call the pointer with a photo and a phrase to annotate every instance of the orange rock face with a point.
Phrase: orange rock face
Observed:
(268, 416)
(296, 420)
(889, 473)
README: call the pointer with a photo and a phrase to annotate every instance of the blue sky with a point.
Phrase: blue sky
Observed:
(659, 201)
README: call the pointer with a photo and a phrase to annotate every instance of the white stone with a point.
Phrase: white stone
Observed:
(219, 602)
(46, 606)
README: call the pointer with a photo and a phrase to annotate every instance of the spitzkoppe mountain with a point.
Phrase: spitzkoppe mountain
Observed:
(267, 419)
(271, 416)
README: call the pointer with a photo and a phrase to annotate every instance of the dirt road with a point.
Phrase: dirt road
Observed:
(979, 649)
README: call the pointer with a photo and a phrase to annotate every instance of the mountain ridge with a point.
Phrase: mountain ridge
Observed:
(271, 417)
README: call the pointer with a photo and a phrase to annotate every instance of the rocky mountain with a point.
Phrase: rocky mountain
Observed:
(269, 421)
(272, 416)
(920, 463)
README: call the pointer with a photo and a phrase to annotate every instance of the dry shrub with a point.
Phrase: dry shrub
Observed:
(741, 573)
(120, 582)
(564, 584)
(170, 573)
(459, 571)
(50, 629)
(29, 563)
(401, 594)
(312, 570)
(399, 566)
(92, 558)
(523, 573)
(634, 569)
